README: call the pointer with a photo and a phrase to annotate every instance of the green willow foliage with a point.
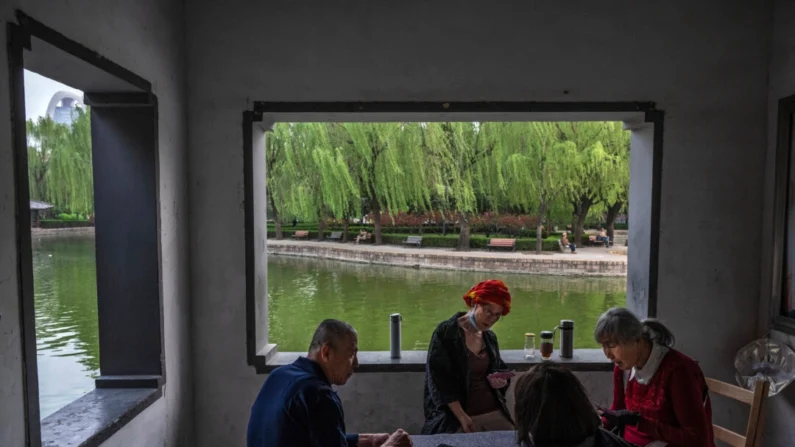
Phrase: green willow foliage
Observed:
(318, 171)
(59, 163)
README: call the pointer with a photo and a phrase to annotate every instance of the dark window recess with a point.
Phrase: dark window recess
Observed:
(123, 133)
(784, 223)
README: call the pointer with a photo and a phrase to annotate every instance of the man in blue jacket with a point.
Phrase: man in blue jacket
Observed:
(297, 407)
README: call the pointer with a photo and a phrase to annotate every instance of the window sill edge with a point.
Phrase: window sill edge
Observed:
(584, 360)
(95, 417)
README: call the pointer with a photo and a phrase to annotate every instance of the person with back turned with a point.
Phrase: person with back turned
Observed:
(297, 407)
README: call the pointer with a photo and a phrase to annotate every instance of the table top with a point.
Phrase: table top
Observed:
(485, 439)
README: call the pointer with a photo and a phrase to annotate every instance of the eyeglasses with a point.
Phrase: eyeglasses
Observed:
(491, 312)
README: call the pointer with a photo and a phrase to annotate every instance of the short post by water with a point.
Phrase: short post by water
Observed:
(395, 321)
(566, 329)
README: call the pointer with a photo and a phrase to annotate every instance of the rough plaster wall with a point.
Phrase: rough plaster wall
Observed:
(640, 165)
(384, 402)
(147, 429)
(12, 406)
(706, 70)
(377, 403)
(147, 37)
(779, 429)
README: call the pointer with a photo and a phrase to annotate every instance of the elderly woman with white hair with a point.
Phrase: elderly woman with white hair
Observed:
(660, 396)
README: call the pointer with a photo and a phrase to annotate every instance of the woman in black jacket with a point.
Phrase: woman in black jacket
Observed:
(462, 391)
(553, 410)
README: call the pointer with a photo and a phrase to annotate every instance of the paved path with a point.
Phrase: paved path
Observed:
(614, 254)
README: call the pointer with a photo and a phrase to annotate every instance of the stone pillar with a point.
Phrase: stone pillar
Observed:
(640, 215)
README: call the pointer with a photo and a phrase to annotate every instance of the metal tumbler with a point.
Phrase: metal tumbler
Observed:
(395, 321)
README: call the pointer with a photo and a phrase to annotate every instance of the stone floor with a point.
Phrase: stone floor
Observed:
(583, 253)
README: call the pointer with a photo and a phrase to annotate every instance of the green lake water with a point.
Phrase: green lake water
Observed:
(302, 292)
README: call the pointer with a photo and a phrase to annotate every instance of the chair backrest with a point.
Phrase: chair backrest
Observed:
(496, 241)
(336, 234)
(413, 239)
(756, 418)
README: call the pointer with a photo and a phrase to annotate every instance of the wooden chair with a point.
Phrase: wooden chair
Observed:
(756, 418)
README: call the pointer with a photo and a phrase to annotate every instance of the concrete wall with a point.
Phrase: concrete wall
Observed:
(12, 405)
(639, 253)
(473, 261)
(707, 70)
(779, 429)
(147, 429)
(146, 36)
(385, 402)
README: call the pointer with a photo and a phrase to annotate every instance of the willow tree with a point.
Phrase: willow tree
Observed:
(616, 193)
(44, 138)
(60, 163)
(281, 172)
(594, 165)
(389, 169)
(539, 168)
(465, 151)
(324, 186)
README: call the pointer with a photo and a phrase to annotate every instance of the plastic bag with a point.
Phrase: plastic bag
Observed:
(765, 359)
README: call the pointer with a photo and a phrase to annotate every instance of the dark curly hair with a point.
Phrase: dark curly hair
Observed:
(552, 408)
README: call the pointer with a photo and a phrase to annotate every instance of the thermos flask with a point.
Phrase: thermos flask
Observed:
(395, 321)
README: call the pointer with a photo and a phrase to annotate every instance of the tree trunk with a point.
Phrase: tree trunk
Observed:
(540, 228)
(321, 228)
(345, 226)
(612, 213)
(463, 238)
(377, 223)
(279, 234)
(581, 209)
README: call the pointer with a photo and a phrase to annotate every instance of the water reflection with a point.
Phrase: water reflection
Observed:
(64, 277)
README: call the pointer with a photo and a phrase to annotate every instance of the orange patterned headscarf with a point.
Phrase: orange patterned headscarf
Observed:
(493, 291)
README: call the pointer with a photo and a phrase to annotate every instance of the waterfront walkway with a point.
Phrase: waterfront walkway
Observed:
(589, 261)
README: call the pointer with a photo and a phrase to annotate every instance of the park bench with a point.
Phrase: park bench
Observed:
(301, 234)
(502, 243)
(592, 241)
(335, 236)
(413, 240)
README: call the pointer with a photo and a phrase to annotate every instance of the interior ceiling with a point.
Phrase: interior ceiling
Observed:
(56, 64)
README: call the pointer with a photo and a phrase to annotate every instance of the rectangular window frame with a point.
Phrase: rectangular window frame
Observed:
(131, 374)
(785, 124)
(262, 354)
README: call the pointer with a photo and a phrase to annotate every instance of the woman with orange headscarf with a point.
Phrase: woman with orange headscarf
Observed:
(463, 389)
